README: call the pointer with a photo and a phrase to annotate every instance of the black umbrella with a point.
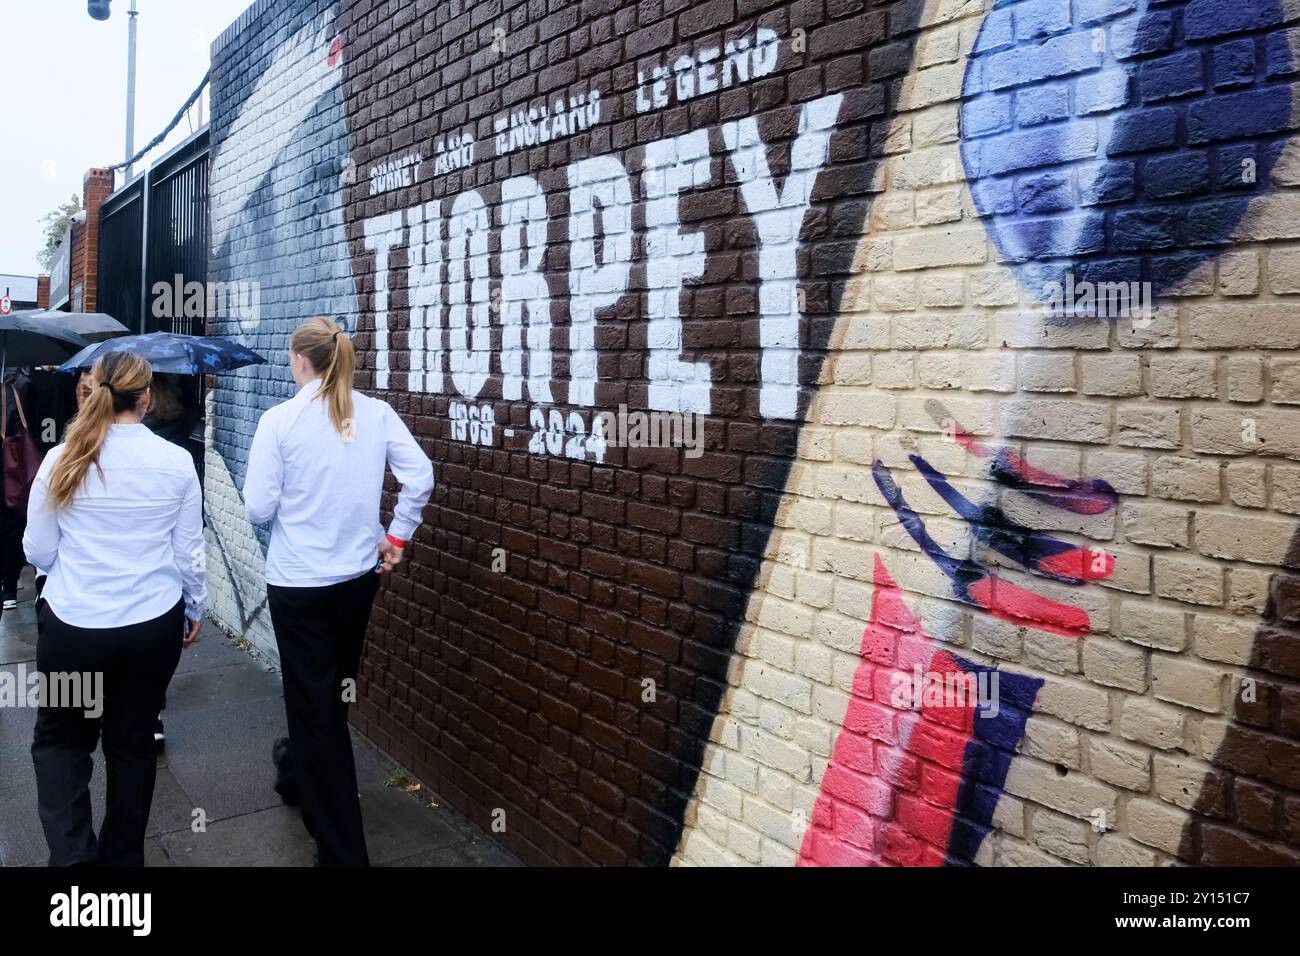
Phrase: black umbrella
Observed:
(91, 326)
(171, 352)
(34, 340)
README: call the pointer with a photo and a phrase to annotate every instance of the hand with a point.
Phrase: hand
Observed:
(390, 556)
(191, 633)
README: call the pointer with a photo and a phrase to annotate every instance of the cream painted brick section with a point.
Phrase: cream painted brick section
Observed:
(774, 854)
(1131, 571)
(1184, 376)
(1155, 824)
(1239, 273)
(1027, 330)
(1245, 378)
(1122, 764)
(1076, 703)
(1115, 664)
(1061, 836)
(745, 843)
(1061, 420)
(939, 370)
(1185, 479)
(943, 289)
(991, 372)
(1047, 372)
(1147, 722)
(701, 851)
(895, 293)
(1148, 426)
(1270, 326)
(936, 126)
(1113, 850)
(1153, 625)
(1243, 538)
(1284, 271)
(1286, 489)
(1009, 816)
(946, 331)
(934, 249)
(1185, 682)
(1016, 854)
(1179, 779)
(1052, 741)
(1188, 581)
(894, 369)
(1126, 472)
(774, 684)
(1248, 485)
(937, 206)
(772, 823)
(994, 638)
(1284, 376)
(1159, 525)
(1227, 640)
(1119, 375)
(1248, 590)
(976, 416)
(1074, 794)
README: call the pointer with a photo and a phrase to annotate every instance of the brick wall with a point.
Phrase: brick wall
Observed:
(897, 258)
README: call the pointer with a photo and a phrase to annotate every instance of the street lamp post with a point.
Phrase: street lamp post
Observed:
(98, 10)
(130, 88)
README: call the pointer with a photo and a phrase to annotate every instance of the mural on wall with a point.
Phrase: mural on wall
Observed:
(873, 260)
(273, 122)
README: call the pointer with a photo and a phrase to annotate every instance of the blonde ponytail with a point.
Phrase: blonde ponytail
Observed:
(116, 383)
(325, 344)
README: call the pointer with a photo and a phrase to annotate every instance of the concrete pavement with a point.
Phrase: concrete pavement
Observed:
(224, 710)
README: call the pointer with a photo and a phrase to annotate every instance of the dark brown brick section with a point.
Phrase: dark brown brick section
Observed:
(1249, 814)
(524, 690)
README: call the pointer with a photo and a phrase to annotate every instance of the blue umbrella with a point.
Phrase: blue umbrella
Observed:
(171, 352)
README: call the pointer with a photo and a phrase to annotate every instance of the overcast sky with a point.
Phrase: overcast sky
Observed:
(63, 98)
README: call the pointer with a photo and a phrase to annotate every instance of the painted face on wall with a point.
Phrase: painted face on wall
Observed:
(1030, 367)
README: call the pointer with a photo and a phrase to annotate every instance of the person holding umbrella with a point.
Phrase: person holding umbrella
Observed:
(315, 471)
(115, 521)
(26, 339)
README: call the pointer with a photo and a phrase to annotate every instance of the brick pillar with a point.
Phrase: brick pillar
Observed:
(96, 187)
(42, 292)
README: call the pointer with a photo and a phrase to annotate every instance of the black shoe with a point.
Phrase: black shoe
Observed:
(159, 738)
(284, 782)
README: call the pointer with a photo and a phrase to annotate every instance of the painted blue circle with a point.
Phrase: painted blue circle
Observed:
(1122, 140)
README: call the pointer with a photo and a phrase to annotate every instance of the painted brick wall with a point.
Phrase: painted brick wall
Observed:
(858, 240)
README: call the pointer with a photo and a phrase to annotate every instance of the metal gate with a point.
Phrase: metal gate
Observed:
(156, 230)
(120, 283)
(176, 239)
(153, 252)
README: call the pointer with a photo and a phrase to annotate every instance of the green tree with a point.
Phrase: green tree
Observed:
(55, 225)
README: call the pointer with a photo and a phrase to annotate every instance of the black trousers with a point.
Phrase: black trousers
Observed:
(137, 662)
(12, 559)
(320, 632)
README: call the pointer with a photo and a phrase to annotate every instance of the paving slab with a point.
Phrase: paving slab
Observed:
(225, 708)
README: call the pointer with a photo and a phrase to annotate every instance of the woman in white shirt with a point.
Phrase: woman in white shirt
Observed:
(316, 471)
(115, 522)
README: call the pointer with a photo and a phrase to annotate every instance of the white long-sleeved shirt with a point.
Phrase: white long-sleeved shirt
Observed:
(321, 493)
(130, 544)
